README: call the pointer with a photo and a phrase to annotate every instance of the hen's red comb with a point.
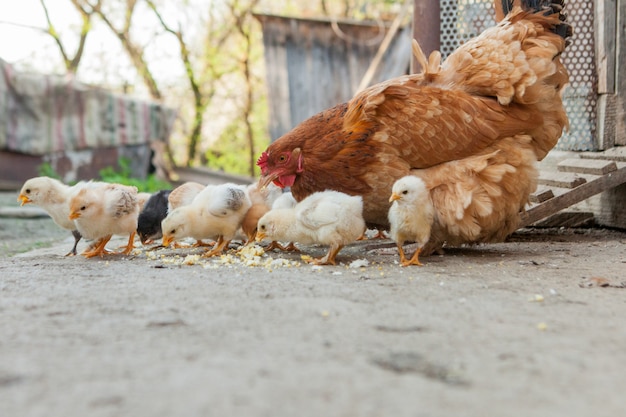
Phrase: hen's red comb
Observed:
(262, 161)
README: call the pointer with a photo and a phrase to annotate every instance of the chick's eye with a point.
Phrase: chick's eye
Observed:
(172, 231)
(405, 192)
(83, 208)
(262, 227)
(28, 191)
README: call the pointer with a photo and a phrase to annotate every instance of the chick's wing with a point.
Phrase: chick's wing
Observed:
(226, 200)
(323, 212)
(121, 199)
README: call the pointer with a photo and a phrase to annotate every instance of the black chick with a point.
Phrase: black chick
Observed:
(149, 221)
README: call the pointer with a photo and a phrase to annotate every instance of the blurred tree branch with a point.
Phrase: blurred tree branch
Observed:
(133, 49)
(71, 63)
(201, 98)
(244, 30)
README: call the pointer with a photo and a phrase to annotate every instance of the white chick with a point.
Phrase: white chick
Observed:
(285, 200)
(411, 216)
(105, 210)
(328, 218)
(215, 213)
(54, 197)
(183, 195)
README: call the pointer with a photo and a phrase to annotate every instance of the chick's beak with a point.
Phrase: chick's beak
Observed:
(394, 197)
(167, 239)
(23, 199)
(74, 215)
(259, 236)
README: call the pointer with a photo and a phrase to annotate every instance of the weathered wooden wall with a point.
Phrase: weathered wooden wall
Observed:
(313, 64)
(620, 113)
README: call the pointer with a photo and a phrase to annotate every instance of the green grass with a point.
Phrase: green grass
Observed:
(124, 176)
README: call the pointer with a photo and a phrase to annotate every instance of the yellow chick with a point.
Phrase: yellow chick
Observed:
(215, 213)
(327, 217)
(103, 211)
(54, 197)
(262, 200)
(411, 216)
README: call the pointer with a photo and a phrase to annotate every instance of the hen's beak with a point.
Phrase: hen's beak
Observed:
(394, 197)
(259, 236)
(74, 215)
(265, 180)
(23, 198)
(167, 239)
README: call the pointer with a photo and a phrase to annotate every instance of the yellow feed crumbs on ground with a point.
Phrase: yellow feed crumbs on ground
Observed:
(245, 256)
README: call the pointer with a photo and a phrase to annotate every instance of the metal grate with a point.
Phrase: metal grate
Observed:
(580, 97)
(463, 19)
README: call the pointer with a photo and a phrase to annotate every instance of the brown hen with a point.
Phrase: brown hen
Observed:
(472, 127)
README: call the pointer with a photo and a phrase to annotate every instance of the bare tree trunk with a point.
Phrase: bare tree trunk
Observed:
(200, 102)
(249, 97)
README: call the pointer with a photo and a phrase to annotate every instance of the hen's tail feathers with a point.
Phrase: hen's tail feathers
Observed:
(517, 61)
(430, 67)
(549, 7)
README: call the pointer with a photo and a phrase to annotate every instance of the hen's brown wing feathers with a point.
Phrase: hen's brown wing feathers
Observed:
(431, 125)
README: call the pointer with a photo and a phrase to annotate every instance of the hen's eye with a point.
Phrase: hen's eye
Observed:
(282, 158)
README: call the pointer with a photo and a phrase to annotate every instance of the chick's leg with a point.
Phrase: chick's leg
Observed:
(77, 237)
(200, 243)
(130, 245)
(219, 247)
(380, 234)
(275, 245)
(414, 259)
(291, 247)
(329, 259)
(401, 253)
(99, 248)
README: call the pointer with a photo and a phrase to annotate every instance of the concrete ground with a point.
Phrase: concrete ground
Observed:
(533, 326)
